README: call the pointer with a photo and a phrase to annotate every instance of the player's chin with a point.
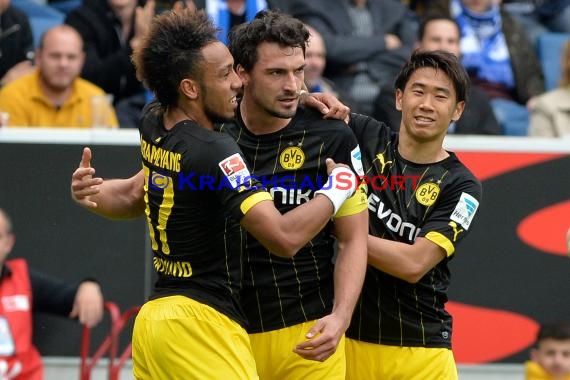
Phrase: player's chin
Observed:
(224, 119)
(221, 117)
(426, 134)
(284, 112)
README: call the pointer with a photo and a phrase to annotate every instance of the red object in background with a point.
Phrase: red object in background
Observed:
(546, 229)
(483, 335)
(109, 346)
(485, 165)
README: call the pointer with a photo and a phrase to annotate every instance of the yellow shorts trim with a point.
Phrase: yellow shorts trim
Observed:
(376, 361)
(178, 338)
(275, 359)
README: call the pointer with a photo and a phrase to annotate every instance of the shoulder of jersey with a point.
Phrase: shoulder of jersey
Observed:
(316, 121)
(463, 171)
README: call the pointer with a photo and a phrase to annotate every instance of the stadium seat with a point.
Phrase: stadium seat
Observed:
(41, 17)
(550, 46)
(65, 6)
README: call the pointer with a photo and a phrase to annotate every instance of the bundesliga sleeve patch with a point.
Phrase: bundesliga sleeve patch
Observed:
(235, 169)
(356, 160)
(465, 210)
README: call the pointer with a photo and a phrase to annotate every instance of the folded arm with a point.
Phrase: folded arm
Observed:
(285, 234)
(409, 262)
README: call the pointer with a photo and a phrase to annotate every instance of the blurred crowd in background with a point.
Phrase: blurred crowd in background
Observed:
(67, 63)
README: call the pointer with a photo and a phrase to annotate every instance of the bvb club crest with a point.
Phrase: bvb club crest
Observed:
(427, 193)
(292, 158)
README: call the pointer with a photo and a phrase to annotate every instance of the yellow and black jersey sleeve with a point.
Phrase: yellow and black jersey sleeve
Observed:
(449, 222)
(355, 204)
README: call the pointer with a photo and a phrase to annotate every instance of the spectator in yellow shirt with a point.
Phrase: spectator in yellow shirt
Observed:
(54, 95)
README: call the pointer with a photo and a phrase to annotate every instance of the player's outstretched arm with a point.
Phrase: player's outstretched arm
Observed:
(350, 269)
(115, 199)
(285, 234)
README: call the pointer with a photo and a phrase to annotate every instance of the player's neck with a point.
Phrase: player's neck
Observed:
(257, 120)
(421, 152)
(176, 114)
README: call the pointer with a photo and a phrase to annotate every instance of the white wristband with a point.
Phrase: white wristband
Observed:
(340, 186)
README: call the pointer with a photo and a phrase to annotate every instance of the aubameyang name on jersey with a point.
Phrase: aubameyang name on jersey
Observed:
(392, 221)
(172, 268)
(160, 157)
(290, 196)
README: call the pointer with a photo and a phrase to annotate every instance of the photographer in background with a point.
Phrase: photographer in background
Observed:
(24, 292)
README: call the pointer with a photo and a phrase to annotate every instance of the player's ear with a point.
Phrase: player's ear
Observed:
(398, 96)
(242, 74)
(189, 88)
(459, 107)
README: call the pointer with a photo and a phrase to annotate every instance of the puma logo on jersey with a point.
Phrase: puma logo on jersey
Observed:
(383, 162)
(456, 231)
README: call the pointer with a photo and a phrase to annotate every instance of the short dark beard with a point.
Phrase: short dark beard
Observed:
(279, 115)
(215, 117)
(212, 115)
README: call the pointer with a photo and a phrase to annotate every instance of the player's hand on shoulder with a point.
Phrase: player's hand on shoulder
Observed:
(331, 166)
(327, 104)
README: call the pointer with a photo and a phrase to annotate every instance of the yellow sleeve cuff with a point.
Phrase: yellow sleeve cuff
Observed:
(355, 204)
(442, 241)
(254, 199)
